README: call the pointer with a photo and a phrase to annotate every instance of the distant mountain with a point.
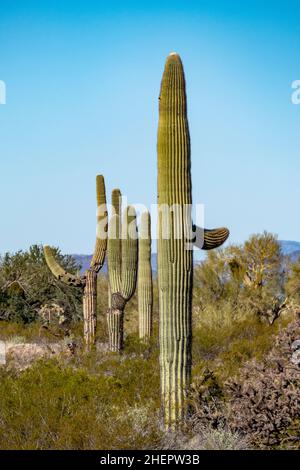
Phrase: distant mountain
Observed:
(85, 260)
(289, 248)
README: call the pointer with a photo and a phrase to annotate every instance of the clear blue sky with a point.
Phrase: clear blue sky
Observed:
(82, 83)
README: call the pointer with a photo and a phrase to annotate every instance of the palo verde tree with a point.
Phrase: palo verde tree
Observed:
(260, 262)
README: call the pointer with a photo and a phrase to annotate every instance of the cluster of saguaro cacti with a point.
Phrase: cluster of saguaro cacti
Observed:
(176, 237)
(175, 259)
(87, 282)
(145, 290)
(122, 257)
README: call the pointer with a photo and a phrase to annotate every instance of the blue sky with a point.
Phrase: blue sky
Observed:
(83, 80)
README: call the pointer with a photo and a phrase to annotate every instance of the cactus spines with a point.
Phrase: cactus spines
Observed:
(175, 260)
(145, 288)
(87, 282)
(122, 270)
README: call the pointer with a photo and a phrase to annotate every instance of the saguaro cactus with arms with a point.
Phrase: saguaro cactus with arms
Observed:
(87, 282)
(122, 256)
(175, 258)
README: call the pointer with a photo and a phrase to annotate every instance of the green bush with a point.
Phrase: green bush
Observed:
(26, 283)
(66, 406)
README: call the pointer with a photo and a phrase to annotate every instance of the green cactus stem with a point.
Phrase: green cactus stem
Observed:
(87, 282)
(145, 288)
(116, 201)
(102, 218)
(122, 255)
(175, 261)
(90, 307)
(59, 272)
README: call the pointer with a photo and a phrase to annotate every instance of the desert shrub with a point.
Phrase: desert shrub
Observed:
(219, 438)
(88, 402)
(293, 281)
(224, 342)
(30, 332)
(26, 284)
(247, 277)
(264, 397)
(102, 400)
(208, 409)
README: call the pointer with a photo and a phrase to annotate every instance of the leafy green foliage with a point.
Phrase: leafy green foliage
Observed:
(26, 284)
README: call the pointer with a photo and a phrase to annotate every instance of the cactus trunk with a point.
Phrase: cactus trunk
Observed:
(145, 293)
(115, 323)
(90, 308)
(175, 261)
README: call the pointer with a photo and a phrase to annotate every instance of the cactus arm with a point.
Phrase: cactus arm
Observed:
(129, 253)
(60, 273)
(101, 240)
(207, 239)
(116, 201)
(114, 248)
(114, 255)
(214, 238)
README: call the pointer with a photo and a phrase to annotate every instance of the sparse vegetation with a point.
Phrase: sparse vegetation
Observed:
(101, 400)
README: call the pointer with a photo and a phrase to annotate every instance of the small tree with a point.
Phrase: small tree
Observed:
(249, 276)
(293, 281)
(212, 279)
(26, 284)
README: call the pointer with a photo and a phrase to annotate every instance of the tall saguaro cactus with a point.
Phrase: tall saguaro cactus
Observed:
(175, 258)
(145, 288)
(122, 257)
(87, 282)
